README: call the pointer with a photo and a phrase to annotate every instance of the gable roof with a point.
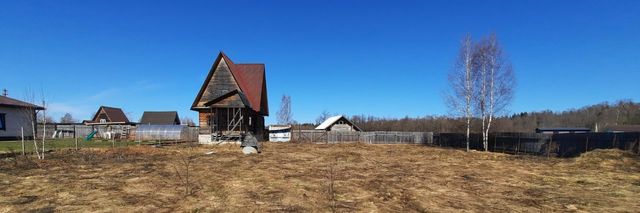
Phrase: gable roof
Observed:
(114, 114)
(160, 118)
(250, 78)
(332, 120)
(10, 102)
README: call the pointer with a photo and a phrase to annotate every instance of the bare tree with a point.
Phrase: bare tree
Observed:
(67, 118)
(459, 98)
(44, 124)
(322, 117)
(42, 118)
(30, 112)
(495, 83)
(285, 115)
(187, 121)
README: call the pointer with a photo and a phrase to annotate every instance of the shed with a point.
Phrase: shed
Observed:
(160, 118)
(338, 123)
(16, 118)
(562, 130)
(280, 133)
(232, 101)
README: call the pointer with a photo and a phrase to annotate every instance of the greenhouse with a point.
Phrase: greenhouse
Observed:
(162, 133)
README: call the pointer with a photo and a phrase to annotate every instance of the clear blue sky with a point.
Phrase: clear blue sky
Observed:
(382, 58)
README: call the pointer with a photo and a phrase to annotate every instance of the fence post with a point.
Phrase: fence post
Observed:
(549, 146)
(22, 137)
(518, 146)
(495, 141)
(638, 144)
(586, 149)
(76, 144)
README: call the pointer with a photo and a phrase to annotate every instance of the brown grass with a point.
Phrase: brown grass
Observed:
(318, 178)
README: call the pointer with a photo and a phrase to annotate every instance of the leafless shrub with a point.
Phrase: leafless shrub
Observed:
(331, 191)
(183, 173)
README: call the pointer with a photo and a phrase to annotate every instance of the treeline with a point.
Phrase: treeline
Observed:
(604, 115)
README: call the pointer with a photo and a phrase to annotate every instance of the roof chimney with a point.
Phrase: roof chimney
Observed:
(4, 92)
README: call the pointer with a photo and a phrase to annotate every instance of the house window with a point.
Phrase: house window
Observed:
(103, 121)
(3, 123)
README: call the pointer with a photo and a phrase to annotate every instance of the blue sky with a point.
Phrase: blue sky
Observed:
(382, 58)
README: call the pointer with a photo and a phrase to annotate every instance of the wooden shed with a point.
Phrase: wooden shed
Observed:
(338, 123)
(232, 101)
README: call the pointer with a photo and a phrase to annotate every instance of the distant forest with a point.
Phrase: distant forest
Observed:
(604, 115)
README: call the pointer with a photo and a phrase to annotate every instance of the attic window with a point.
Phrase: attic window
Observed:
(2, 122)
(102, 120)
(341, 122)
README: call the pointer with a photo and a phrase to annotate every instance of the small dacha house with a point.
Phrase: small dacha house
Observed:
(16, 118)
(232, 101)
(108, 115)
(110, 123)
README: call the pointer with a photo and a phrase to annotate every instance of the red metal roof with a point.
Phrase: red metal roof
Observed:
(114, 114)
(251, 79)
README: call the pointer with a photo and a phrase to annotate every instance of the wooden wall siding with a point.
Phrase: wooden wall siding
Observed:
(221, 83)
(231, 101)
(102, 115)
(342, 127)
(202, 117)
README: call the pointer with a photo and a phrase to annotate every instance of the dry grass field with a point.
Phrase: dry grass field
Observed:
(318, 178)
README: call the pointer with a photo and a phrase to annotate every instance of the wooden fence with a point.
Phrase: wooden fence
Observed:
(68, 130)
(397, 137)
(321, 136)
(561, 145)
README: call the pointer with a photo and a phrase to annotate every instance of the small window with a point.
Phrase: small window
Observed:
(102, 120)
(3, 125)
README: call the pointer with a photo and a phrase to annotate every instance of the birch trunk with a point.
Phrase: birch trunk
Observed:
(44, 127)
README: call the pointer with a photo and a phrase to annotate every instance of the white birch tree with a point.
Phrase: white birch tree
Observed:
(459, 97)
(495, 83)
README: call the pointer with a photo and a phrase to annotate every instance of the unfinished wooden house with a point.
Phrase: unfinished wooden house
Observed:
(232, 101)
(338, 123)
